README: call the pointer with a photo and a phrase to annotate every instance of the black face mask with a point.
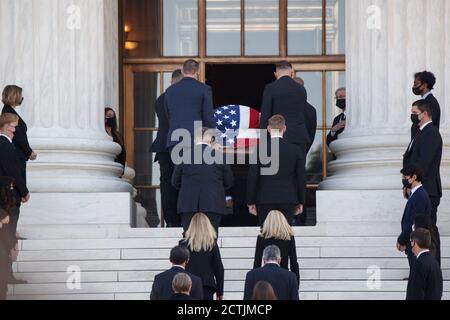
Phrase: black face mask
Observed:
(341, 104)
(415, 119)
(111, 122)
(417, 91)
(406, 184)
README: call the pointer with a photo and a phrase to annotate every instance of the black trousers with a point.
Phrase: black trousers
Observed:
(288, 211)
(435, 202)
(169, 195)
(14, 220)
(215, 219)
(208, 293)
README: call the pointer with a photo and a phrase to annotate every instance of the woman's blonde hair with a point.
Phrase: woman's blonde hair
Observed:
(12, 96)
(201, 234)
(277, 227)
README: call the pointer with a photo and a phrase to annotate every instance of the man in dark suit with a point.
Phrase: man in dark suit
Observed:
(162, 285)
(425, 151)
(283, 282)
(425, 281)
(187, 102)
(423, 85)
(202, 182)
(287, 98)
(285, 190)
(418, 205)
(10, 166)
(169, 195)
(310, 117)
(339, 122)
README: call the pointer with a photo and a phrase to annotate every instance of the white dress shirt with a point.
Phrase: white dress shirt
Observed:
(423, 126)
(4, 135)
(415, 189)
(422, 252)
(426, 95)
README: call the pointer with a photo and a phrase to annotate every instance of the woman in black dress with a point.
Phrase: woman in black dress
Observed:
(111, 129)
(205, 261)
(277, 231)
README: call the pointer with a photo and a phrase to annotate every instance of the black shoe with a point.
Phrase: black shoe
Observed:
(13, 280)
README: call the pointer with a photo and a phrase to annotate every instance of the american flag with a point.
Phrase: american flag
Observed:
(239, 126)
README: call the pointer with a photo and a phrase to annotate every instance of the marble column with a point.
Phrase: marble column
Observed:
(387, 42)
(64, 53)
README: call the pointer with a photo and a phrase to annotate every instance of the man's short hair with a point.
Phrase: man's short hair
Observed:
(8, 118)
(182, 282)
(422, 237)
(271, 253)
(300, 81)
(177, 75)
(424, 106)
(411, 170)
(277, 122)
(341, 89)
(190, 67)
(179, 255)
(426, 77)
(283, 65)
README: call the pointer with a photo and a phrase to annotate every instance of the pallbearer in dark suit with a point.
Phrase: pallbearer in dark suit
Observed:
(12, 98)
(187, 102)
(287, 98)
(162, 285)
(310, 117)
(285, 190)
(423, 85)
(283, 282)
(201, 184)
(418, 205)
(169, 195)
(340, 121)
(425, 151)
(205, 261)
(425, 281)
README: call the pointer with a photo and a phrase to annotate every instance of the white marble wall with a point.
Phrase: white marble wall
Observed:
(387, 42)
(64, 53)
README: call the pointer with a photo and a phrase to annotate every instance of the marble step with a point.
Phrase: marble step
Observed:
(230, 286)
(227, 253)
(229, 264)
(230, 275)
(232, 242)
(103, 231)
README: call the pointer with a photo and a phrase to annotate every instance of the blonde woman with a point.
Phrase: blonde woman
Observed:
(205, 261)
(277, 231)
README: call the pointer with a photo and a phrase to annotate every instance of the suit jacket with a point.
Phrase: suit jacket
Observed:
(288, 253)
(425, 280)
(160, 143)
(285, 187)
(418, 204)
(311, 123)
(284, 283)
(180, 297)
(20, 137)
(331, 138)
(287, 98)
(162, 285)
(186, 102)
(426, 152)
(10, 167)
(202, 186)
(207, 265)
(436, 114)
